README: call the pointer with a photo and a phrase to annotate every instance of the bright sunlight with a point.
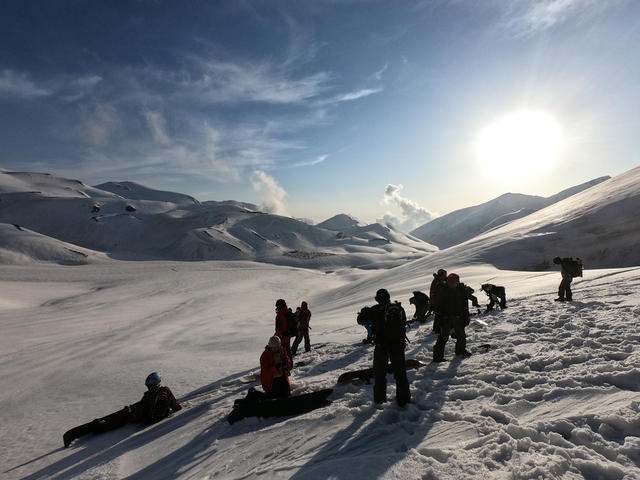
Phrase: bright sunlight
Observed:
(520, 146)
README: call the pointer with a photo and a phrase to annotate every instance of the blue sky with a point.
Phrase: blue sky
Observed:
(373, 108)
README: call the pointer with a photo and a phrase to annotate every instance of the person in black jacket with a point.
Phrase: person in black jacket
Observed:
(566, 270)
(452, 312)
(389, 321)
(497, 294)
(157, 403)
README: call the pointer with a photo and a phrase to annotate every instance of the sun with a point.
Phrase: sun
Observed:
(520, 146)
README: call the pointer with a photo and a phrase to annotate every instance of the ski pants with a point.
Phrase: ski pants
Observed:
(564, 290)
(457, 323)
(381, 356)
(304, 333)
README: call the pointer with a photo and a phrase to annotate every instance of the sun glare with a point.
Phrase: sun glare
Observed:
(520, 146)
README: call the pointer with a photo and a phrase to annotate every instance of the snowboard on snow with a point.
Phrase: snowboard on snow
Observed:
(367, 373)
(281, 407)
(99, 425)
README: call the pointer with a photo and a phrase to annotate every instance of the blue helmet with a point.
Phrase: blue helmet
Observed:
(153, 379)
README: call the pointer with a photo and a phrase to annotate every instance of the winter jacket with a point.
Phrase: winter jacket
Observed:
(304, 315)
(268, 368)
(436, 285)
(282, 324)
(141, 411)
(452, 302)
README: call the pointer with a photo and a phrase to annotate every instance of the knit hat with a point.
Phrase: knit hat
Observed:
(274, 342)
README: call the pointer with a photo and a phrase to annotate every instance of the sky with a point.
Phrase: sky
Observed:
(386, 110)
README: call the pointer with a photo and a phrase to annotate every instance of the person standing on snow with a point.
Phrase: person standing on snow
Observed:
(566, 270)
(275, 365)
(282, 325)
(439, 281)
(304, 316)
(389, 330)
(452, 311)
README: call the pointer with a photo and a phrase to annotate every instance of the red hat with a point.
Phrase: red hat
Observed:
(454, 276)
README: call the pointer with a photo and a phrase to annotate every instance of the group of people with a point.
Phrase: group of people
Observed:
(276, 359)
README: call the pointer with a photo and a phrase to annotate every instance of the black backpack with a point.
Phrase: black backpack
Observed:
(390, 326)
(293, 323)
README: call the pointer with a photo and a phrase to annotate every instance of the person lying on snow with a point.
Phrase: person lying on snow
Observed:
(157, 403)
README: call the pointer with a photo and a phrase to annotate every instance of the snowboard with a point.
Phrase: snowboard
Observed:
(281, 407)
(100, 425)
(367, 373)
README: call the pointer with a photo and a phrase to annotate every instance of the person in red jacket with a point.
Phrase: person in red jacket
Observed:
(282, 325)
(304, 316)
(274, 370)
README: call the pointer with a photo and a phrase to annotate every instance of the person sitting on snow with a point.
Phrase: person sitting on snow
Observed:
(275, 365)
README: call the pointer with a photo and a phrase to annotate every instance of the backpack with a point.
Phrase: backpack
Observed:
(364, 315)
(576, 267)
(293, 323)
(159, 407)
(390, 328)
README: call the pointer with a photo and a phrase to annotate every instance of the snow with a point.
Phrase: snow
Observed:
(555, 397)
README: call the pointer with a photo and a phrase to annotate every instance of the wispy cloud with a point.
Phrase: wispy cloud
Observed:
(216, 81)
(17, 84)
(313, 161)
(365, 92)
(529, 16)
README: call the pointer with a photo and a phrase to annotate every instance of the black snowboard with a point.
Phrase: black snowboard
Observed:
(281, 407)
(99, 425)
(367, 373)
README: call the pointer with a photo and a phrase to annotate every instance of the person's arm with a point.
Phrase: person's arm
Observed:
(175, 406)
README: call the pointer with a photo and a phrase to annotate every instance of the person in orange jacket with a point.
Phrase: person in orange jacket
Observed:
(275, 365)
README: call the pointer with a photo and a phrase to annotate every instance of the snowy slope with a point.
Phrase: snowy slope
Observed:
(459, 226)
(555, 397)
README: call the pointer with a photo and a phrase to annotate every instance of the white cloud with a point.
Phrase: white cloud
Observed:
(251, 82)
(413, 215)
(157, 125)
(530, 16)
(313, 161)
(271, 194)
(98, 126)
(12, 83)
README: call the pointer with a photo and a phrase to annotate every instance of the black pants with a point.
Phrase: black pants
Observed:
(564, 290)
(280, 388)
(457, 323)
(304, 333)
(381, 356)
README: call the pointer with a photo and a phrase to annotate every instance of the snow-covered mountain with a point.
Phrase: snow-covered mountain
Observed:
(461, 225)
(126, 218)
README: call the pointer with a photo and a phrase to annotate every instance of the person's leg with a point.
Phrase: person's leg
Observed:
(294, 348)
(569, 294)
(403, 394)
(461, 336)
(307, 339)
(438, 348)
(380, 359)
